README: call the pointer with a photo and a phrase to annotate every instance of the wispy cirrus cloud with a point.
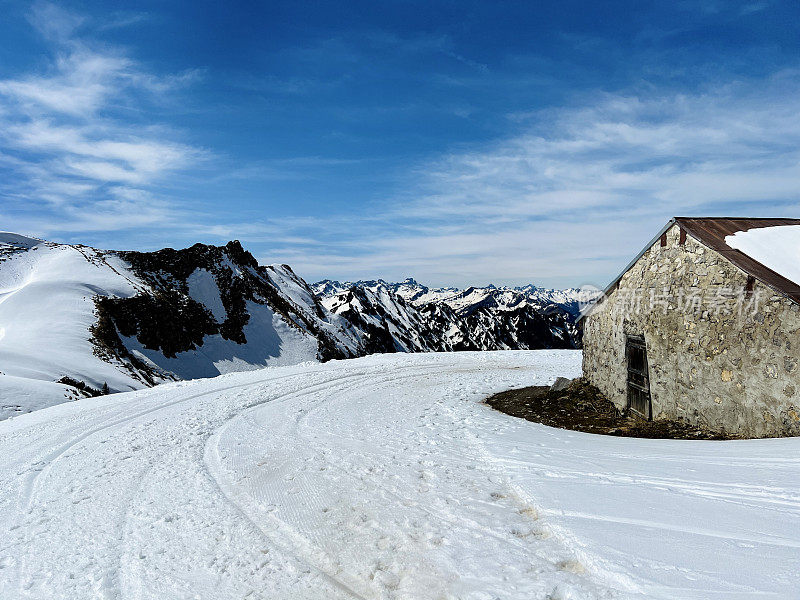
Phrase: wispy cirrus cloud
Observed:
(631, 152)
(80, 83)
(69, 150)
(572, 196)
(339, 152)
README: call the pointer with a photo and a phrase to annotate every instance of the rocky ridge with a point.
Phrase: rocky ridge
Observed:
(410, 317)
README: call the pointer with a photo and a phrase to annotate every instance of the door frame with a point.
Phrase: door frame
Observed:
(638, 379)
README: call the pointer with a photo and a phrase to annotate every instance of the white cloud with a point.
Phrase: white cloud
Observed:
(567, 199)
(81, 84)
(67, 150)
(691, 151)
(571, 198)
(53, 22)
(127, 158)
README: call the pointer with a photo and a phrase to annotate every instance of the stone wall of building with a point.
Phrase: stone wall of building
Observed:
(718, 356)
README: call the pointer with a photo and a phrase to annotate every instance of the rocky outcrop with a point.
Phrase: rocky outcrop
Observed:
(409, 317)
(128, 320)
(201, 291)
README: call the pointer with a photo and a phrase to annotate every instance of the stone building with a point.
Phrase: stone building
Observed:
(704, 326)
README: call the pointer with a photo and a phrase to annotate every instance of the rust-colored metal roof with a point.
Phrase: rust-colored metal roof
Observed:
(711, 232)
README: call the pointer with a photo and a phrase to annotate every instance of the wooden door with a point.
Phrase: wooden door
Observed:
(638, 376)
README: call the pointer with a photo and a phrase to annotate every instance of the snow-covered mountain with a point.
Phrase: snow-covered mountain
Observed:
(571, 300)
(75, 319)
(408, 316)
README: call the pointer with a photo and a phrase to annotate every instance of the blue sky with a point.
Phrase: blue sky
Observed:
(456, 142)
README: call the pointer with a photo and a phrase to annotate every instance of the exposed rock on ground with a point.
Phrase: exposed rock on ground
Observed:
(581, 407)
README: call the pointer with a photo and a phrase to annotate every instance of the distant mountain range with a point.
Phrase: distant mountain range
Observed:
(571, 299)
(76, 321)
(411, 317)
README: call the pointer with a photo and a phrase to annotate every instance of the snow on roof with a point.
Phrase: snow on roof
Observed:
(777, 248)
(717, 232)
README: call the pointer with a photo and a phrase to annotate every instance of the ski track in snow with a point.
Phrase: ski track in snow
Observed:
(382, 477)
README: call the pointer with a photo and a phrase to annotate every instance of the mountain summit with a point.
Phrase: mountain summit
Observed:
(410, 317)
(77, 321)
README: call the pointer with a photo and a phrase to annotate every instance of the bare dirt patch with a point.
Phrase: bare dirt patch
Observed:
(581, 407)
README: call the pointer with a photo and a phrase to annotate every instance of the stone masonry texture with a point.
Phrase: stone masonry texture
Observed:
(719, 356)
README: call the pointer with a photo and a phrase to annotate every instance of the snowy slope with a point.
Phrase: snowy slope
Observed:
(88, 318)
(775, 247)
(20, 395)
(382, 477)
(47, 308)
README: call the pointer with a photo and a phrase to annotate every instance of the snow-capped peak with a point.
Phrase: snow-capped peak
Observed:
(75, 319)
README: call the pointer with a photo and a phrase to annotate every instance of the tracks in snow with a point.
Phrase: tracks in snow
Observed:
(381, 478)
(358, 479)
(384, 486)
